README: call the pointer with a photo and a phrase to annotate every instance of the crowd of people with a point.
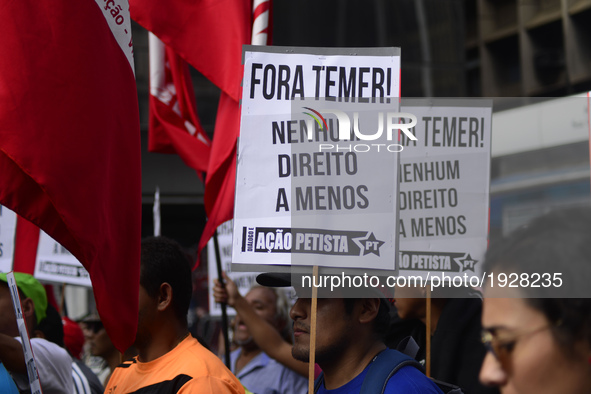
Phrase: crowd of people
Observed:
(522, 340)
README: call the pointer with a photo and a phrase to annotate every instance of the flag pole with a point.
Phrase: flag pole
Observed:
(313, 311)
(62, 306)
(428, 328)
(156, 213)
(218, 263)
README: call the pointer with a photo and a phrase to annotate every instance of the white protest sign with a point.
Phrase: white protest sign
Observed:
(444, 189)
(307, 194)
(22, 329)
(244, 280)
(7, 233)
(54, 263)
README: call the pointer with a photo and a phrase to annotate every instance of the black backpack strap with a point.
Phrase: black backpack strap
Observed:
(318, 382)
(408, 346)
(447, 388)
(385, 365)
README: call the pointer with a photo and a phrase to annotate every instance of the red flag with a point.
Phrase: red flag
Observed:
(211, 39)
(208, 34)
(70, 141)
(262, 26)
(174, 125)
(26, 241)
(221, 176)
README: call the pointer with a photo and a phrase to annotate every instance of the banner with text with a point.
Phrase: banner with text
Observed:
(54, 263)
(444, 187)
(316, 182)
(29, 357)
(244, 280)
(7, 232)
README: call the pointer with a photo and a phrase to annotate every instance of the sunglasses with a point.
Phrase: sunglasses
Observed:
(502, 348)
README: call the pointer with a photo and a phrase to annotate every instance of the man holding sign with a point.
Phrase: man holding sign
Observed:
(53, 363)
(348, 343)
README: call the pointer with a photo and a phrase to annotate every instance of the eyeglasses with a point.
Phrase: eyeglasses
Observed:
(502, 348)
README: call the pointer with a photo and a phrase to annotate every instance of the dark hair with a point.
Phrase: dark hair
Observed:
(557, 242)
(163, 261)
(52, 326)
(382, 320)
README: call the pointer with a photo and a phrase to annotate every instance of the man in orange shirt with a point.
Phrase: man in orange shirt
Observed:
(170, 360)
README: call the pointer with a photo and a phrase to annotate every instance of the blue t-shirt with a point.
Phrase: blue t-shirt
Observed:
(408, 380)
(263, 375)
(7, 385)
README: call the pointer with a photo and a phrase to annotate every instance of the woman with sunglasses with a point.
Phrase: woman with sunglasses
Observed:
(538, 331)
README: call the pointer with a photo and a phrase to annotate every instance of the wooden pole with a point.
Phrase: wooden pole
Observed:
(63, 311)
(218, 262)
(428, 350)
(313, 310)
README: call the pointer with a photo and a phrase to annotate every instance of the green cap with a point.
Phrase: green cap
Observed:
(32, 289)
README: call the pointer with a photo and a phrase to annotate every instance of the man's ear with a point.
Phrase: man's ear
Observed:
(369, 310)
(164, 297)
(28, 308)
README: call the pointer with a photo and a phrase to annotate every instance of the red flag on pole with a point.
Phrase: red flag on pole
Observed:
(26, 242)
(261, 22)
(221, 176)
(174, 125)
(70, 141)
(208, 34)
(211, 39)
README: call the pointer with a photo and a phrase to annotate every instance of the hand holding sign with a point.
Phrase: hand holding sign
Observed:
(227, 292)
